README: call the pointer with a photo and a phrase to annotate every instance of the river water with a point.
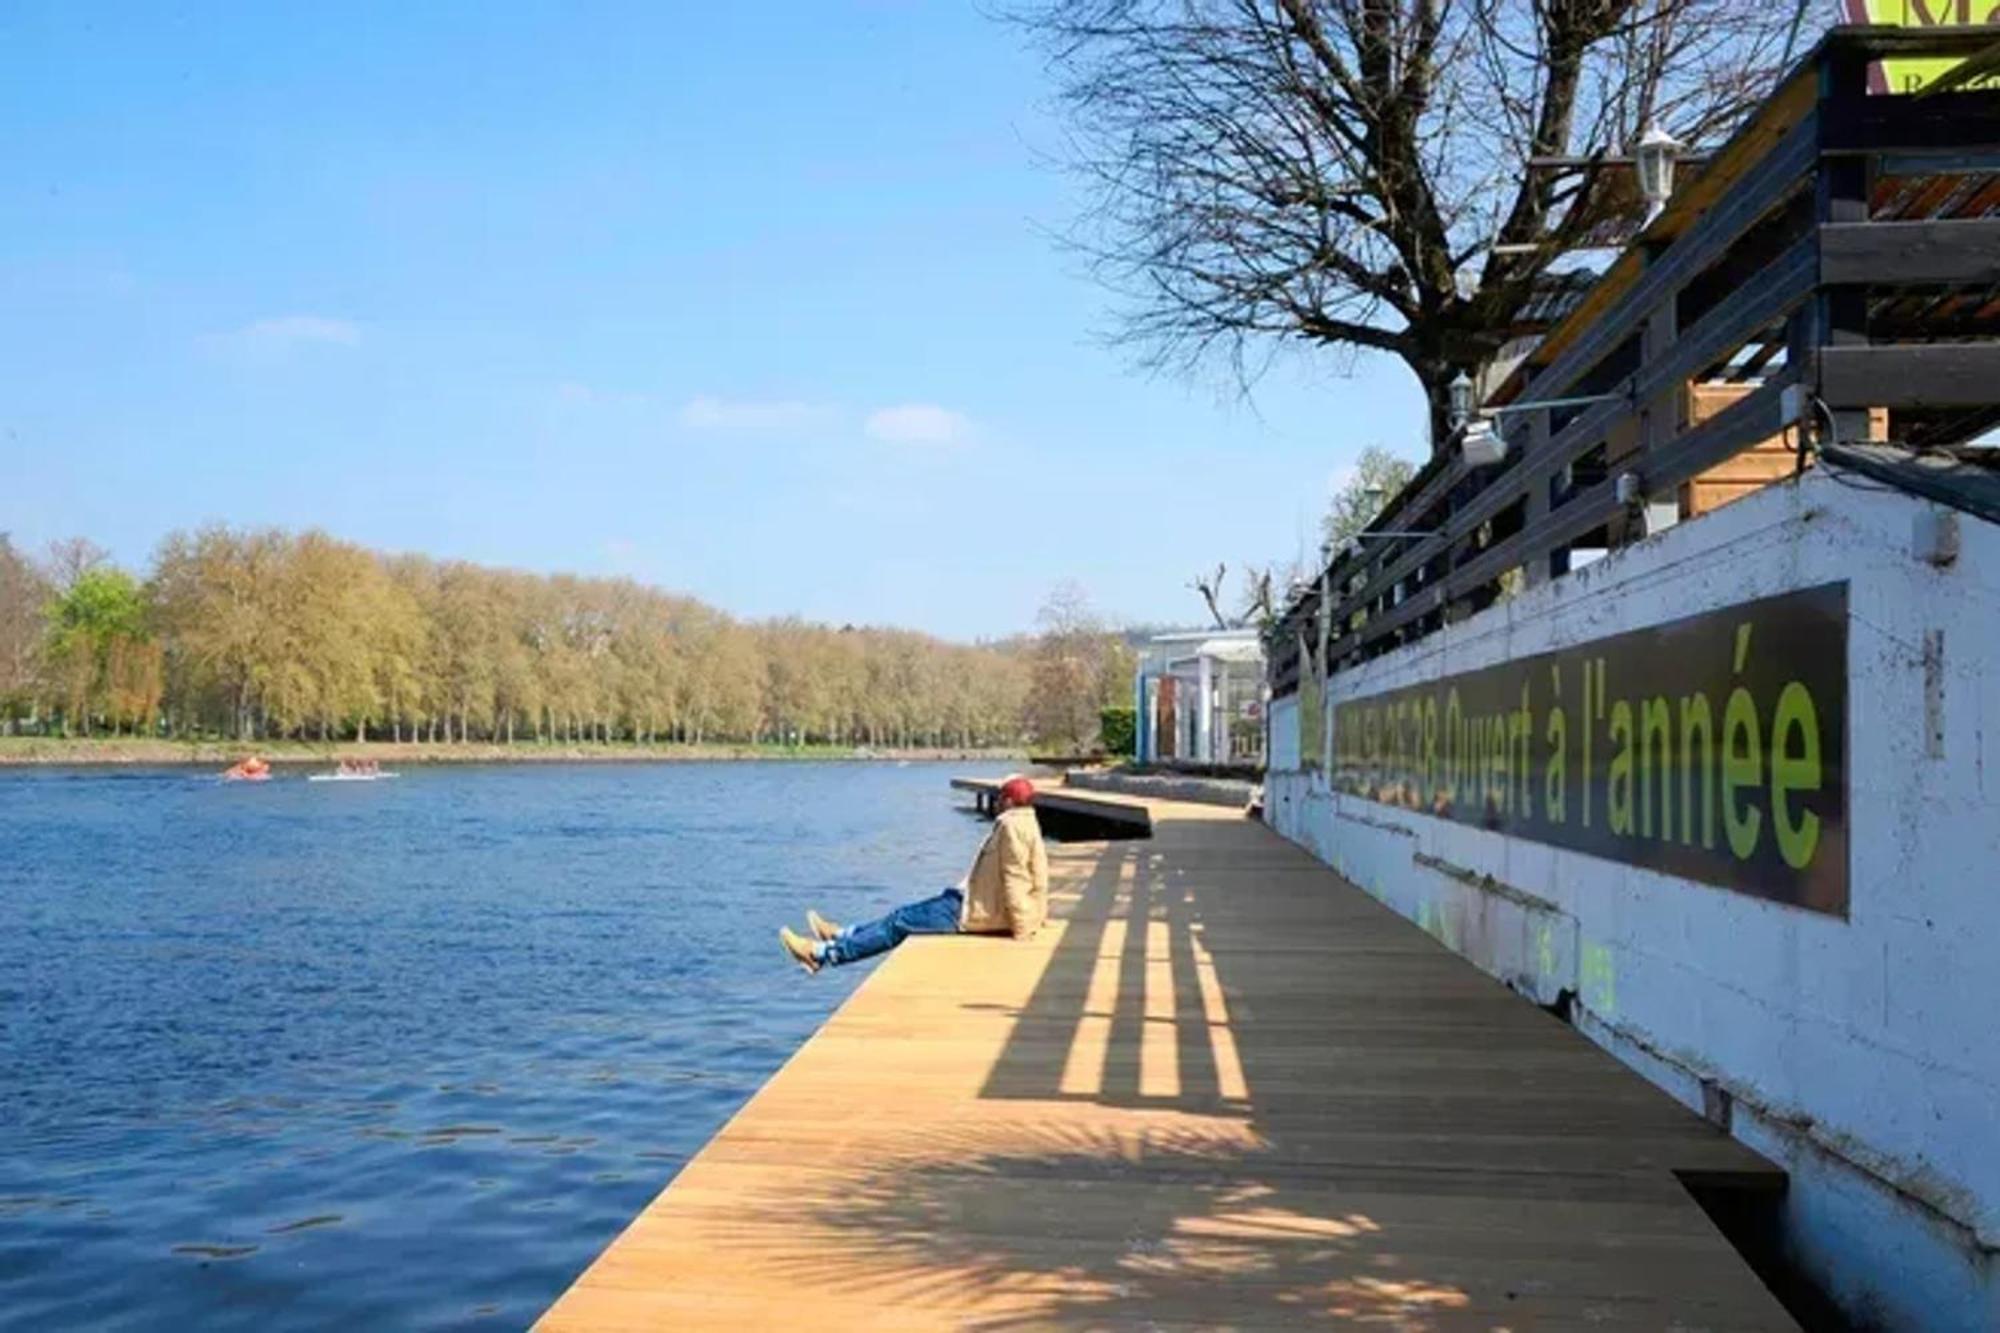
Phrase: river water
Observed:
(403, 1054)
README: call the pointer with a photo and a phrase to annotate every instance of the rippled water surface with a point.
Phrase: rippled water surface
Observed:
(401, 1054)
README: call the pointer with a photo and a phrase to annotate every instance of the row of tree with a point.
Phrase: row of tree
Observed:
(261, 634)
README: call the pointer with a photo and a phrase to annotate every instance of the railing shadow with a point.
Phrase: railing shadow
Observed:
(1172, 1133)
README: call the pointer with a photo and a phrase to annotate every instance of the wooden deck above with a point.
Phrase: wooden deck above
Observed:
(1222, 1089)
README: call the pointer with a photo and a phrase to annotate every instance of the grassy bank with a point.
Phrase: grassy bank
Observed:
(23, 750)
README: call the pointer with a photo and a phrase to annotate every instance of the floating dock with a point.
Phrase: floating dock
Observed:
(1067, 813)
(1222, 1088)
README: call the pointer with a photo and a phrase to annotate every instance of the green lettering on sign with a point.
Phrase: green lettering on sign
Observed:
(1715, 746)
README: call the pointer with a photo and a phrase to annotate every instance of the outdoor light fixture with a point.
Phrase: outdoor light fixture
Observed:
(1655, 160)
(1481, 445)
(1481, 442)
(1461, 400)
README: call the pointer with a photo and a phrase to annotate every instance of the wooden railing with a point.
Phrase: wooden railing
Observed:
(1838, 261)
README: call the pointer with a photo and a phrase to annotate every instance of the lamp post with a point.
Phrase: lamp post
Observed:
(1654, 156)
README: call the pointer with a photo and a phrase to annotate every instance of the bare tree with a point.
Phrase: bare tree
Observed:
(1256, 606)
(1210, 588)
(70, 558)
(1077, 667)
(1260, 602)
(1355, 173)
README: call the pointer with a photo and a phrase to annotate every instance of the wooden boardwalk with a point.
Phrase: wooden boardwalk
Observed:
(1224, 1088)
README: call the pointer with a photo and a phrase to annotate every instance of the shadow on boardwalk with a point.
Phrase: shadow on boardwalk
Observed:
(1240, 1094)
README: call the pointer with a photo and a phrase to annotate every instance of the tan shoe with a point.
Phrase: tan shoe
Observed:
(821, 928)
(799, 947)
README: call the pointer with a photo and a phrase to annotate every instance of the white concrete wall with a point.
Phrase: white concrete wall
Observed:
(1863, 1055)
(1283, 742)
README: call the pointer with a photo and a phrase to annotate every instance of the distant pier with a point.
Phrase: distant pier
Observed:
(1223, 1087)
(1069, 814)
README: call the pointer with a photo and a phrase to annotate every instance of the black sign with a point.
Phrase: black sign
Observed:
(1713, 748)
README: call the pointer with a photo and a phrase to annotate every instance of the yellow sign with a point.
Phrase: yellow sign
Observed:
(1907, 75)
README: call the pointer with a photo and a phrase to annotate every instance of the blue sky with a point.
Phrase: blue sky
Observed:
(758, 303)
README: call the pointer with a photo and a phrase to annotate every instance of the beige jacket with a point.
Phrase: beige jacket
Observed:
(1007, 889)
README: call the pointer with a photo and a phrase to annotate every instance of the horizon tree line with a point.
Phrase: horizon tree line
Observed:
(260, 634)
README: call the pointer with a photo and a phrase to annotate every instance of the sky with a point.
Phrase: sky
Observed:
(758, 303)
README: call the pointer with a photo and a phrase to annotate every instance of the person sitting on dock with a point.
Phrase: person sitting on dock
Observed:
(1005, 892)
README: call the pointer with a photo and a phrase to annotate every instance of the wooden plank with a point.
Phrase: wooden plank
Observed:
(1764, 462)
(1222, 1088)
(1940, 124)
(1916, 375)
(1953, 250)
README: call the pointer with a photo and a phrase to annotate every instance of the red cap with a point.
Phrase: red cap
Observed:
(1018, 791)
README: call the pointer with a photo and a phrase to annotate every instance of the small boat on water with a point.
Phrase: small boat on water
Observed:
(352, 770)
(253, 769)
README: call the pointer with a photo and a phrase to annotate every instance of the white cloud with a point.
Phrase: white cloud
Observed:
(918, 423)
(288, 330)
(569, 391)
(703, 412)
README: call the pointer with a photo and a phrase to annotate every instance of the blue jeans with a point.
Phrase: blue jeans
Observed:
(932, 916)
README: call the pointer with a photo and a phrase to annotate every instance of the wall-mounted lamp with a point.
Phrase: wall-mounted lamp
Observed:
(1654, 156)
(1461, 400)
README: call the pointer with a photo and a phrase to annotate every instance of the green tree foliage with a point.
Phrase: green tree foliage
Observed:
(98, 653)
(1378, 476)
(259, 634)
(1119, 726)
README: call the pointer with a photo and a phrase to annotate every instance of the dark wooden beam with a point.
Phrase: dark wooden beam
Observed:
(1912, 375)
(1909, 124)
(1894, 254)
